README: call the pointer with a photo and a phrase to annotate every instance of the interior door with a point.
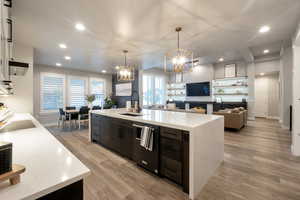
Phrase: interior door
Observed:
(261, 97)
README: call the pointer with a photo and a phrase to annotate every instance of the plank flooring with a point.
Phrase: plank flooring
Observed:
(258, 165)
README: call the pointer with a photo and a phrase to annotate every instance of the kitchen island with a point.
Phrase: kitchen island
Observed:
(187, 147)
(52, 171)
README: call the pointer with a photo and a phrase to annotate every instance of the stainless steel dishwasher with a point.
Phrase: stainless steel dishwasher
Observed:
(143, 157)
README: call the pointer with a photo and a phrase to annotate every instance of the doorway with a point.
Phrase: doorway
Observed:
(267, 96)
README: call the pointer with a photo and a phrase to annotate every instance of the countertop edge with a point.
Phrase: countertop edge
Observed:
(180, 127)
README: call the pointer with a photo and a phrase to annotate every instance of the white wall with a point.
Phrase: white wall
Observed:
(241, 69)
(267, 67)
(286, 85)
(296, 100)
(50, 118)
(22, 99)
(251, 90)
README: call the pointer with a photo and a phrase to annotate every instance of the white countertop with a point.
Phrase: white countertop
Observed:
(171, 119)
(49, 165)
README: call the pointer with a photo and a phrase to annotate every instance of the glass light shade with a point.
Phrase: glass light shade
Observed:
(125, 73)
(178, 61)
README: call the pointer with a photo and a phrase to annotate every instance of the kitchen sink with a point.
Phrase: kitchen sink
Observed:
(131, 114)
(17, 125)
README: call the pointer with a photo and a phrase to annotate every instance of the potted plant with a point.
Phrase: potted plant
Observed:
(90, 99)
(108, 102)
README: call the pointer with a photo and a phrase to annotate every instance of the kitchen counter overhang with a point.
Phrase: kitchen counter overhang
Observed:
(49, 165)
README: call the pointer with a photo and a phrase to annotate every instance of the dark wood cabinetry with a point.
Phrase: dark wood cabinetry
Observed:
(113, 134)
(174, 156)
(169, 157)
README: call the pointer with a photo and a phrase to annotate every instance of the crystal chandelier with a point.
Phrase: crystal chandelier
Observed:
(178, 60)
(125, 73)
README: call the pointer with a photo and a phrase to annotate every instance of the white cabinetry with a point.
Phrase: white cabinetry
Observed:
(6, 38)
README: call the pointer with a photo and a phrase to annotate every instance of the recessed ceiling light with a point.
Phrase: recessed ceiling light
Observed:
(221, 59)
(264, 29)
(262, 74)
(80, 27)
(58, 64)
(266, 51)
(103, 71)
(67, 57)
(63, 46)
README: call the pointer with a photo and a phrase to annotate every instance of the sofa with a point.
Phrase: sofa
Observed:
(234, 118)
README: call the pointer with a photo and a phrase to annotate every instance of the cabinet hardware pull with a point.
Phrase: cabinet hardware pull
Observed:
(144, 162)
(138, 139)
(138, 126)
(9, 22)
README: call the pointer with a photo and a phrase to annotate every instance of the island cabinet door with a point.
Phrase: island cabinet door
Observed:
(171, 154)
(95, 128)
(174, 156)
(125, 133)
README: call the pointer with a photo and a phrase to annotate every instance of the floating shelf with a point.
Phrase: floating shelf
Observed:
(229, 86)
(233, 78)
(176, 88)
(237, 94)
(176, 95)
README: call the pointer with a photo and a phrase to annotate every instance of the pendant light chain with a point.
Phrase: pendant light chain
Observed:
(178, 40)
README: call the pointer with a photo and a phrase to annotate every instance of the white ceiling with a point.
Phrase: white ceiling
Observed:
(211, 28)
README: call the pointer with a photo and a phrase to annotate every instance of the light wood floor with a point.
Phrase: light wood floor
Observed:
(258, 166)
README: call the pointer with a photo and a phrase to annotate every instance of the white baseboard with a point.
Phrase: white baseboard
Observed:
(50, 124)
(294, 152)
(285, 127)
(251, 118)
(271, 117)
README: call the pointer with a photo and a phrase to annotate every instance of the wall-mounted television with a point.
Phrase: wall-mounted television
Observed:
(198, 89)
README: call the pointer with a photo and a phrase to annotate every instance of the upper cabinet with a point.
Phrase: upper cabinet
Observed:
(8, 3)
(6, 29)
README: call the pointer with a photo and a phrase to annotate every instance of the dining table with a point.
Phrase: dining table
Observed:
(69, 113)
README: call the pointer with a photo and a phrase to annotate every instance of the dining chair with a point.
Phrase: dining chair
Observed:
(70, 108)
(62, 118)
(71, 117)
(83, 115)
(96, 108)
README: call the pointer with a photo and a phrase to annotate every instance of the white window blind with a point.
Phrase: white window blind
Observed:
(77, 92)
(154, 91)
(97, 88)
(52, 92)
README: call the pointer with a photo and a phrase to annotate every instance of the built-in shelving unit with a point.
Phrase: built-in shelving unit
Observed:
(176, 91)
(230, 89)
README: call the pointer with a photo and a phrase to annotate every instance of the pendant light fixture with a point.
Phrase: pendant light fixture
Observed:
(178, 60)
(125, 73)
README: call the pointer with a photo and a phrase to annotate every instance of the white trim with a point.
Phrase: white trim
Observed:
(272, 117)
(50, 124)
(284, 127)
(251, 118)
(294, 152)
(42, 75)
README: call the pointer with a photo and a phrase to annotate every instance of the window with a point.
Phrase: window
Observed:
(77, 91)
(97, 88)
(153, 90)
(52, 92)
